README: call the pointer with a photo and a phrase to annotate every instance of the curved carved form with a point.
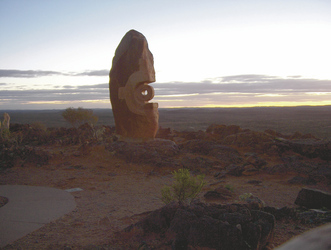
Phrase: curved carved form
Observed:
(130, 92)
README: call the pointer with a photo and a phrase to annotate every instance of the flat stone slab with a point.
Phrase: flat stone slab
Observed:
(30, 208)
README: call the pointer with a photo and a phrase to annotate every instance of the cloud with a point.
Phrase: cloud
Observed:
(103, 72)
(245, 84)
(81, 93)
(13, 73)
(95, 86)
(228, 90)
(26, 73)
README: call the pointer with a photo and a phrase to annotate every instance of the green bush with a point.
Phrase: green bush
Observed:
(245, 196)
(79, 116)
(185, 187)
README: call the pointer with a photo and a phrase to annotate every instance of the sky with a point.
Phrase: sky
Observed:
(212, 53)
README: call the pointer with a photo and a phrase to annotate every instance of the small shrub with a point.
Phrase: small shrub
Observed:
(39, 126)
(184, 188)
(245, 196)
(79, 116)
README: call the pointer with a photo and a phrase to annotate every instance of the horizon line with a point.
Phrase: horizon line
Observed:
(189, 107)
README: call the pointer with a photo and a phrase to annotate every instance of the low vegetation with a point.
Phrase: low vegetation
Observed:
(79, 116)
(20, 144)
(185, 187)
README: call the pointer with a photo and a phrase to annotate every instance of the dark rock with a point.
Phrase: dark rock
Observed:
(165, 133)
(231, 226)
(220, 152)
(312, 198)
(308, 217)
(236, 218)
(212, 233)
(219, 193)
(281, 213)
(266, 224)
(250, 170)
(235, 170)
(299, 165)
(181, 224)
(256, 161)
(158, 221)
(277, 169)
(220, 175)
(310, 148)
(163, 147)
(254, 202)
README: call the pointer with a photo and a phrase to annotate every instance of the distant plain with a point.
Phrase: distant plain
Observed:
(286, 120)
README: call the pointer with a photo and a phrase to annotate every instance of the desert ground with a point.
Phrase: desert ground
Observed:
(118, 191)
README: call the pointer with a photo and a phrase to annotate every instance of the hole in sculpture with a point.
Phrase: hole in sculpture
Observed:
(144, 93)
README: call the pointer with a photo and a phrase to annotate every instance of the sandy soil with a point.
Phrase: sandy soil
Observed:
(116, 194)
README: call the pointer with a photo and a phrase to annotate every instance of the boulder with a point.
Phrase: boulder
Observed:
(281, 213)
(213, 226)
(132, 71)
(235, 170)
(311, 148)
(255, 160)
(313, 198)
(220, 193)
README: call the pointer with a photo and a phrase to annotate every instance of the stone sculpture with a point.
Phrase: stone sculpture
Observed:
(5, 123)
(132, 71)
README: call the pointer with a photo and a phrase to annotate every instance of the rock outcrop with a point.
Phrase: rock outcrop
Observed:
(130, 75)
(232, 226)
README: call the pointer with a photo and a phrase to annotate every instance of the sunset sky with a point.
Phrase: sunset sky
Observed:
(212, 53)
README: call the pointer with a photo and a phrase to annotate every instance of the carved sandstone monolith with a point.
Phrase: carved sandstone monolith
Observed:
(129, 78)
